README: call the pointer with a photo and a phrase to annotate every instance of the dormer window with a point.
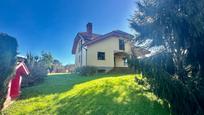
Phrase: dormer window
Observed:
(121, 44)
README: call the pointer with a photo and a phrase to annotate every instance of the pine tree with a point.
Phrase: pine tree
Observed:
(178, 26)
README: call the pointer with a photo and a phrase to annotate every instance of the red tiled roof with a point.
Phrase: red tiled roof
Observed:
(93, 38)
(86, 36)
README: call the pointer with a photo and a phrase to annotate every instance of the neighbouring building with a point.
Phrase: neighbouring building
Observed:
(70, 68)
(102, 51)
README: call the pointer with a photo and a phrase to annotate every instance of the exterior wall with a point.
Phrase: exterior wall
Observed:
(80, 56)
(109, 46)
(83, 57)
(77, 57)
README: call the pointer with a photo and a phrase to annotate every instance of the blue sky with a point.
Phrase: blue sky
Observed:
(51, 25)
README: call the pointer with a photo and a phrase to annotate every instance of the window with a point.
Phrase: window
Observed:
(121, 45)
(101, 55)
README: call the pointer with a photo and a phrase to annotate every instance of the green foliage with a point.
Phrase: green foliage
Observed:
(169, 88)
(69, 94)
(177, 25)
(57, 67)
(38, 70)
(70, 68)
(86, 70)
(121, 70)
(8, 52)
(47, 60)
(132, 63)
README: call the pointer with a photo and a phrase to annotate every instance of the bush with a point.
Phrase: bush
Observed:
(38, 71)
(8, 52)
(86, 70)
(37, 74)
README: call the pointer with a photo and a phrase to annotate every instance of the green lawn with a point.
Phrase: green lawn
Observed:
(96, 95)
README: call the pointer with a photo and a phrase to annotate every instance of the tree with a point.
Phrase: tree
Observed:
(39, 66)
(177, 25)
(8, 52)
(57, 66)
(47, 60)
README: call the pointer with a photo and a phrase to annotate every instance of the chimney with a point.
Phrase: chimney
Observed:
(89, 28)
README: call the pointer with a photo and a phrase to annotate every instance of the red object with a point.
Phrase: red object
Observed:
(15, 83)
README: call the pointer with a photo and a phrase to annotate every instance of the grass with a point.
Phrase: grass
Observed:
(97, 95)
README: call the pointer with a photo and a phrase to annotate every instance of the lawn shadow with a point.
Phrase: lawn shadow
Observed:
(59, 83)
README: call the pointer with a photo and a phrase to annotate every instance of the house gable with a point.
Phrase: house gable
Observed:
(90, 39)
(85, 36)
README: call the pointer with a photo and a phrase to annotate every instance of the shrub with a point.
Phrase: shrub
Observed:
(37, 74)
(38, 71)
(121, 70)
(8, 52)
(86, 70)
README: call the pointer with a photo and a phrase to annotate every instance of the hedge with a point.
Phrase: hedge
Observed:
(8, 52)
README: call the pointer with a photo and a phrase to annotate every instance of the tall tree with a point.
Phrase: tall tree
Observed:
(178, 26)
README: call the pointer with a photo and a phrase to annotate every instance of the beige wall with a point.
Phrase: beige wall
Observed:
(83, 57)
(109, 46)
(77, 56)
(80, 56)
